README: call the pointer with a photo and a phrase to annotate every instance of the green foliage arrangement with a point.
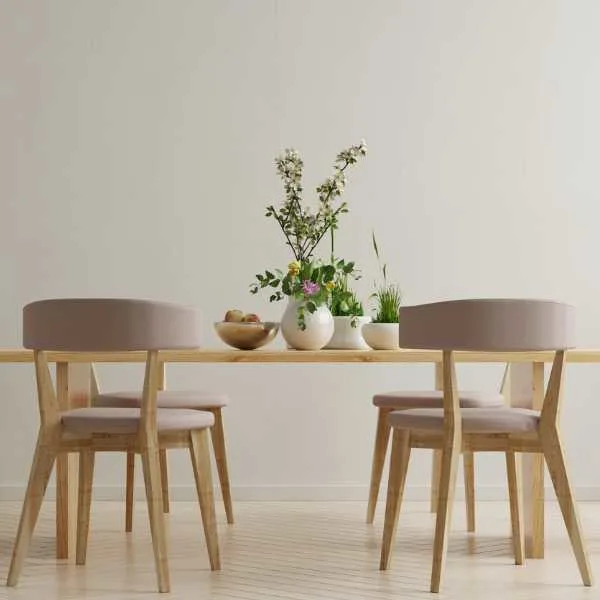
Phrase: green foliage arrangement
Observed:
(344, 302)
(311, 282)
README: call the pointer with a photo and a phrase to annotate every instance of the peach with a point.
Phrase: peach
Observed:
(251, 318)
(234, 316)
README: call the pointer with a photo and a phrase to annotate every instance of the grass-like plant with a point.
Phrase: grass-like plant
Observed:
(387, 296)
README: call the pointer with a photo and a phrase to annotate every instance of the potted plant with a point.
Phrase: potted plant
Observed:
(347, 310)
(383, 332)
(307, 323)
(308, 281)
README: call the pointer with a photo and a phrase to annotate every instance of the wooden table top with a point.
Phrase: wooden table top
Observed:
(209, 355)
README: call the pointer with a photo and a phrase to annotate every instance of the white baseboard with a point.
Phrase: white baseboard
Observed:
(284, 493)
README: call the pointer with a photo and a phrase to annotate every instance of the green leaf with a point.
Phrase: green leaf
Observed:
(375, 245)
(311, 306)
(328, 273)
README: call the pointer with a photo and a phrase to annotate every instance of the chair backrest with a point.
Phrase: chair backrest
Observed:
(108, 325)
(494, 325)
(490, 325)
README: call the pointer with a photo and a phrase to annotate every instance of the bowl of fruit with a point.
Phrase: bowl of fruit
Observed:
(245, 331)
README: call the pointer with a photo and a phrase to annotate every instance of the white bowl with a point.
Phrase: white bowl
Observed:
(382, 336)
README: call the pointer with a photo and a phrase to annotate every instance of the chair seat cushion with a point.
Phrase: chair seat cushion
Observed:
(127, 420)
(474, 420)
(196, 399)
(433, 399)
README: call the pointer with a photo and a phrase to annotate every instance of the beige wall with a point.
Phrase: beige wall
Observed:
(136, 147)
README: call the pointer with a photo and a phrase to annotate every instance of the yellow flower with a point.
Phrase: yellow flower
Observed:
(294, 268)
(330, 285)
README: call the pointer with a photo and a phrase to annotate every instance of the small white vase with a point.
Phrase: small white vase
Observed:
(347, 337)
(382, 336)
(319, 327)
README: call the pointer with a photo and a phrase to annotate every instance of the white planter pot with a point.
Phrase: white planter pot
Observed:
(381, 336)
(346, 337)
(319, 327)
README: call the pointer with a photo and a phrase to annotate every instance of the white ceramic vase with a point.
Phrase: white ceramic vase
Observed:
(382, 336)
(319, 327)
(347, 337)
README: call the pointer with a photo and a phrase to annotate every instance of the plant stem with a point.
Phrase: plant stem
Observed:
(331, 232)
(289, 242)
(296, 199)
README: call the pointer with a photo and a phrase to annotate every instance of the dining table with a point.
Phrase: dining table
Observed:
(524, 387)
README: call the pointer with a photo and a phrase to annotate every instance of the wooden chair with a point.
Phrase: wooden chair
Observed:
(193, 400)
(387, 402)
(483, 325)
(107, 325)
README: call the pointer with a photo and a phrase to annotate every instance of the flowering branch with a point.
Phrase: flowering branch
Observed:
(302, 228)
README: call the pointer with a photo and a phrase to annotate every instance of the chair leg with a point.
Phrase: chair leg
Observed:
(515, 495)
(555, 459)
(399, 459)
(164, 479)
(199, 453)
(129, 487)
(151, 467)
(450, 457)
(469, 474)
(217, 434)
(41, 468)
(382, 437)
(436, 469)
(84, 501)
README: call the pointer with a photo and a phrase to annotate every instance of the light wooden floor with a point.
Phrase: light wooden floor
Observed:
(300, 551)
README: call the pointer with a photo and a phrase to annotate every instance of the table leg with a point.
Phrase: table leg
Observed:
(527, 391)
(73, 391)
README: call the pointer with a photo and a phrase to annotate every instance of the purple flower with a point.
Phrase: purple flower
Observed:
(310, 288)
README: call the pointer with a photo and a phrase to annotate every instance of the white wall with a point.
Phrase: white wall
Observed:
(136, 148)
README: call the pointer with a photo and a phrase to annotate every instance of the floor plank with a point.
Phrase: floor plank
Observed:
(299, 551)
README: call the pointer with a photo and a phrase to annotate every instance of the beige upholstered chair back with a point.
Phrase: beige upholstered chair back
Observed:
(494, 325)
(105, 325)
